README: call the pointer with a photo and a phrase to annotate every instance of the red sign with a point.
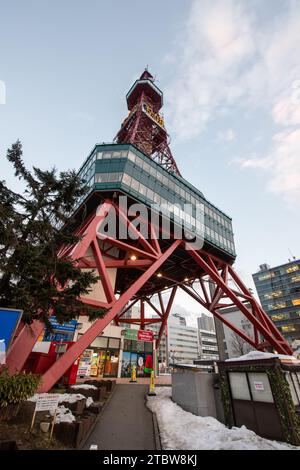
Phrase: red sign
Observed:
(145, 335)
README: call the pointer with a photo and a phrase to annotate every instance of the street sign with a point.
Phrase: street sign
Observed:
(47, 402)
(139, 335)
(145, 335)
(9, 320)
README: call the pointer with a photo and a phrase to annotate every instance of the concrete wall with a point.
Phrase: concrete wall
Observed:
(194, 391)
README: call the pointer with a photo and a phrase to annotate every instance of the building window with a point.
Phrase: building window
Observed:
(278, 305)
(263, 277)
(292, 269)
(114, 343)
(295, 278)
(296, 301)
(280, 316)
(288, 328)
(273, 294)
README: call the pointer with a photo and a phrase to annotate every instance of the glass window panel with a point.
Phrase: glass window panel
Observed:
(148, 346)
(159, 177)
(239, 386)
(143, 189)
(153, 171)
(296, 384)
(146, 167)
(156, 198)
(150, 194)
(131, 156)
(260, 387)
(135, 184)
(126, 179)
(106, 155)
(99, 342)
(99, 155)
(165, 180)
(292, 388)
(114, 343)
(125, 370)
(140, 346)
(127, 345)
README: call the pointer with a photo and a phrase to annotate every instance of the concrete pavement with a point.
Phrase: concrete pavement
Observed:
(125, 423)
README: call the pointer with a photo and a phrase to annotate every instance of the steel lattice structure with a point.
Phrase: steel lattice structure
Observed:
(138, 268)
(144, 126)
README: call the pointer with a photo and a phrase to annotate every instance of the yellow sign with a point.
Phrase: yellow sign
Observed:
(155, 116)
(152, 386)
(133, 374)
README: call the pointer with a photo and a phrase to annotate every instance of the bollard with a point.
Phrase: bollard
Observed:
(133, 374)
(151, 392)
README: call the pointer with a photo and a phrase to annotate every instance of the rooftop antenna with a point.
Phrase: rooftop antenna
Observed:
(291, 254)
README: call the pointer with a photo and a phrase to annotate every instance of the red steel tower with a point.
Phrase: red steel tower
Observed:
(147, 263)
(144, 127)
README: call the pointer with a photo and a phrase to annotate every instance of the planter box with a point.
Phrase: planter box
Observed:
(77, 407)
(96, 407)
(84, 425)
(66, 433)
(96, 394)
(8, 445)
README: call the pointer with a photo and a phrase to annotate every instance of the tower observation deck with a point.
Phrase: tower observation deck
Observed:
(150, 260)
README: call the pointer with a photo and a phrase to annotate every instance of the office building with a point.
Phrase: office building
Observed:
(208, 345)
(279, 291)
(206, 322)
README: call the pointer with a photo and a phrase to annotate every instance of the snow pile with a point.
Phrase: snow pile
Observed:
(254, 355)
(63, 397)
(63, 415)
(84, 386)
(181, 430)
(89, 401)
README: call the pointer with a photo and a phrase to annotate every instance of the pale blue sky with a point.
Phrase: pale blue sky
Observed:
(227, 69)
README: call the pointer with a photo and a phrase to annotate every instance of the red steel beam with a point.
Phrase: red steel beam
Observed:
(23, 345)
(280, 346)
(167, 310)
(69, 357)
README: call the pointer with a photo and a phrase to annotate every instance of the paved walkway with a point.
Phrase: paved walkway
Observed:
(125, 423)
(161, 380)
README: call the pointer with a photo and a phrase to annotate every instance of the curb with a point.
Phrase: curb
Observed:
(156, 431)
(97, 419)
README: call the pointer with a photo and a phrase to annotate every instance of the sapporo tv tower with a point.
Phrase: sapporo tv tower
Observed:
(139, 165)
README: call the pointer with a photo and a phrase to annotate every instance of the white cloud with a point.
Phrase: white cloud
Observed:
(282, 165)
(227, 135)
(285, 155)
(286, 112)
(233, 59)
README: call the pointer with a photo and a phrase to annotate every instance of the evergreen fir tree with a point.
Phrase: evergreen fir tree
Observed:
(34, 225)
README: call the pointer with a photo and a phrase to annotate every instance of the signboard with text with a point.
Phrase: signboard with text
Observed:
(47, 402)
(139, 335)
(258, 386)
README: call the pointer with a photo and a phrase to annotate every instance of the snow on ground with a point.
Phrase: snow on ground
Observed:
(84, 386)
(63, 415)
(254, 355)
(89, 401)
(181, 430)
